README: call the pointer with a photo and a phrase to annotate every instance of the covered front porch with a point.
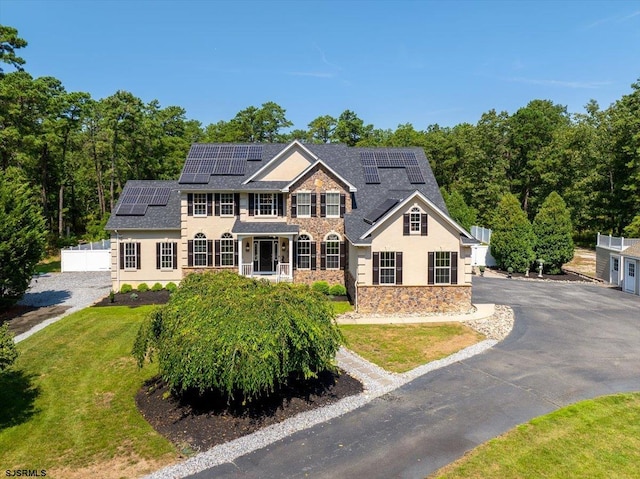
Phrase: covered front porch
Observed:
(266, 250)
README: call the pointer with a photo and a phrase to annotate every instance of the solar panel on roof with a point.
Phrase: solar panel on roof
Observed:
(226, 151)
(201, 178)
(160, 197)
(146, 195)
(222, 167)
(237, 167)
(380, 210)
(409, 158)
(240, 152)
(255, 153)
(131, 195)
(414, 174)
(190, 166)
(187, 178)
(138, 210)
(367, 155)
(196, 151)
(371, 175)
(206, 165)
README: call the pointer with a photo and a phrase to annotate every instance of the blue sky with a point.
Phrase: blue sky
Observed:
(390, 62)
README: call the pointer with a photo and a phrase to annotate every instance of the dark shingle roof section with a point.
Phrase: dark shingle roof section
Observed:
(345, 161)
(263, 228)
(156, 217)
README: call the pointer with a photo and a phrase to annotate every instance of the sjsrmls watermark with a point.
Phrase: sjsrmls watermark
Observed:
(25, 472)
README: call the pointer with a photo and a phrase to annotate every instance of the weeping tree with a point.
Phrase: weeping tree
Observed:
(512, 237)
(553, 230)
(8, 351)
(237, 336)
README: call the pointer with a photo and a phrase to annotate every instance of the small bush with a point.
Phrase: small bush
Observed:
(134, 296)
(337, 290)
(126, 288)
(112, 296)
(243, 337)
(142, 287)
(171, 287)
(320, 287)
(156, 287)
(8, 351)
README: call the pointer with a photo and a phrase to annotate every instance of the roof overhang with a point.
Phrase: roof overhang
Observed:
(403, 204)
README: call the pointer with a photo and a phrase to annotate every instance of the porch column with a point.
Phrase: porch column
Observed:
(240, 255)
(291, 256)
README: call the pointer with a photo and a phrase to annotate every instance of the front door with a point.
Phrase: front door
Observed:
(265, 251)
(630, 276)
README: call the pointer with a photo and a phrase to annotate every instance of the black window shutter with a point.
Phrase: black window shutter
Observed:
(138, 265)
(323, 255)
(175, 255)
(295, 255)
(454, 267)
(376, 268)
(343, 255)
(190, 253)
(405, 225)
(236, 204)
(294, 206)
(157, 255)
(216, 200)
(424, 224)
(209, 204)
(280, 204)
(314, 209)
(251, 203)
(190, 204)
(323, 205)
(235, 253)
(217, 263)
(399, 267)
(430, 275)
(313, 255)
(121, 255)
(209, 252)
(343, 205)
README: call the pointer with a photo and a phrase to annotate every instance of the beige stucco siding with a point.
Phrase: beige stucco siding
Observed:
(415, 248)
(148, 273)
(288, 167)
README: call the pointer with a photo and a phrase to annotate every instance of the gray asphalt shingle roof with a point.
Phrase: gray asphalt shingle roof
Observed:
(345, 161)
(263, 228)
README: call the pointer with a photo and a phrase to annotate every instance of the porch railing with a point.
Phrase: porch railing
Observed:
(283, 272)
(246, 269)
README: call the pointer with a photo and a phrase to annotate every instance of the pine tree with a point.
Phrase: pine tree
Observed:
(553, 230)
(512, 238)
(463, 214)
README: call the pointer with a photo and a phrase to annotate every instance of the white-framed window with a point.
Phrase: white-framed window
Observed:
(632, 270)
(332, 251)
(333, 205)
(227, 206)
(616, 264)
(199, 204)
(266, 204)
(304, 252)
(303, 203)
(227, 249)
(415, 220)
(442, 267)
(166, 255)
(200, 251)
(130, 255)
(387, 267)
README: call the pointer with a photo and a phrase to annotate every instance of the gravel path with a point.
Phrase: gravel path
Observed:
(376, 381)
(73, 290)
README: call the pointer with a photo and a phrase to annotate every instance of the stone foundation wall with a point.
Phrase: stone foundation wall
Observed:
(414, 299)
(331, 276)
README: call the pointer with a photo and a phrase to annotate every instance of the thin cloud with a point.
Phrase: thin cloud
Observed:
(616, 19)
(560, 83)
(312, 74)
(324, 58)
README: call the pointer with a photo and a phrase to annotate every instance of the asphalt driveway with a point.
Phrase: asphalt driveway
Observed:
(570, 342)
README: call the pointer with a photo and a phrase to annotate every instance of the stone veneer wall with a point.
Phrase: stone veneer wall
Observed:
(331, 276)
(414, 299)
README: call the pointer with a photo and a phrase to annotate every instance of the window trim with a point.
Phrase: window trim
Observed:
(226, 240)
(332, 240)
(203, 203)
(415, 221)
(229, 204)
(336, 205)
(258, 204)
(305, 239)
(299, 204)
(200, 239)
(391, 257)
(167, 256)
(439, 270)
(131, 258)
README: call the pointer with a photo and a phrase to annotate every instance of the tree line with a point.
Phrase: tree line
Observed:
(77, 152)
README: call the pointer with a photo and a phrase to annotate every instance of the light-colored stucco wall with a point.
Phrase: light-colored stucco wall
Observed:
(147, 272)
(415, 248)
(288, 167)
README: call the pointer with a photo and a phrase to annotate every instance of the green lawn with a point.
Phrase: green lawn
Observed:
(68, 403)
(51, 264)
(402, 347)
(596, 439)
(341, 307)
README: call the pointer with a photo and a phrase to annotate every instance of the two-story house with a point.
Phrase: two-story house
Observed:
(372, 219)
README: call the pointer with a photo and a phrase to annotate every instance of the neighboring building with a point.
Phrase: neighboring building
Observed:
(617, 261)
(372, 219)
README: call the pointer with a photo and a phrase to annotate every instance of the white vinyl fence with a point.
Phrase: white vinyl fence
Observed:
(481, 253)
(87, 257)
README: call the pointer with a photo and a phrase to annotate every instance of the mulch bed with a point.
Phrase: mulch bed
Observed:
(136, 298)
(547, 277)
(196, 423)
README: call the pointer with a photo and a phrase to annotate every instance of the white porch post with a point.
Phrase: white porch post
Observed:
(291, 256)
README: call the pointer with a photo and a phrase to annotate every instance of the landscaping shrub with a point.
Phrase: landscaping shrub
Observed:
(337, 290)
(512, 238)
(553, 230)
(239, 336)
(320, 287)
(8, 351)
(126, 288)
(171, 287)
(156, 287)
(142, 287)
